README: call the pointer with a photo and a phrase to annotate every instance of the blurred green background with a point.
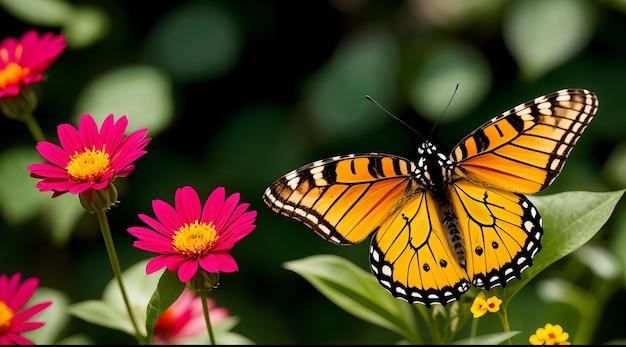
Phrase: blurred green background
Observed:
(237, 93)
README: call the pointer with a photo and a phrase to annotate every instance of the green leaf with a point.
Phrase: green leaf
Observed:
(62, 214)
(443, 66)
(141, 92)
(570, 220)
(618, 242)
(230, 338)
(600, 261)
(357, 292)
(76, 339)
(111, 311)
(223, 335)
(195, 41)
(101, 313)
(488, 339)
(20, 200)
(54, 316)
(544, 34)
(558, 290)
(364, 63)
(39, 12)
(85, 25)
(166, 293)
(615, 166)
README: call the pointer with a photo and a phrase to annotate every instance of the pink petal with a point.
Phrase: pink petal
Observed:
(171, 261)
(129, 149)
(234, 224)
(167, 215)
(26, 326)
(213, 205)
(151, 241)
(187, 270)
(69, 139)
(53, 153)
(23, 293)
(156, 225)
(88, 131)
(226, 262)
(47, 171)
(227, 211)
(78, 188)
(188, 204)
(111, 134)
(218, 262)
(16, 339)
(9, 286)
(30, 312)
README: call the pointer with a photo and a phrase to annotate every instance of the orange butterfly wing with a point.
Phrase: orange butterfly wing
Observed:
(524, 149)
(343, 199)
(411, 257)
(502, 233)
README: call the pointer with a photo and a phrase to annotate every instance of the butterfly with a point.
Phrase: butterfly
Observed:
(444, 222)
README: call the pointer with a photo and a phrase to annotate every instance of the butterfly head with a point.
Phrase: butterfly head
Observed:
(426, 148)
(434, 168)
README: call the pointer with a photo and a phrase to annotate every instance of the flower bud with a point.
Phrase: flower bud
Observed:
(21, 106)
(98, 200)
(203, 280)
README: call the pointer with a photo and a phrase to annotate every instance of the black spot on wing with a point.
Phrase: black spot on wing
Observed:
(481, 140)
(375, 167)
(517, 122)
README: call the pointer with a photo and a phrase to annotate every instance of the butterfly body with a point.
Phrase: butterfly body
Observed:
(443, 223)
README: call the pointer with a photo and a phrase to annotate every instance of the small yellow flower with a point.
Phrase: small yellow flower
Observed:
(549, 335)
(481, 306)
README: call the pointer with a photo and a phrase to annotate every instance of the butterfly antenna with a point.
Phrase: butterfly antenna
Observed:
(444, 111)
(394, 116)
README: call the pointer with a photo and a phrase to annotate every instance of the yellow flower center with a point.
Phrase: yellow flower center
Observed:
(195, 240)
(6, 316)
(89, 165)
(12, 74)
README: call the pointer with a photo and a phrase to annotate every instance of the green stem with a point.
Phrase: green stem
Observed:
(115, 265)
(430, 322)
(505, 321)
(21, 108)
(33, 127)
(474, 327)
(205, 308)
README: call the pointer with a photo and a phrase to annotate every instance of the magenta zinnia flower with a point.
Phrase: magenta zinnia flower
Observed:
(191, 236)
(88, 159)
(24, 61)
(13, 317)
(185, 319)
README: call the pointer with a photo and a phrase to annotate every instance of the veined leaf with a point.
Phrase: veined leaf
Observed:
(570, 220)
(165, 294)
(357, 292)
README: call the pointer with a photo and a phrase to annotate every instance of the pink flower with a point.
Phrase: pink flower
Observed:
(88, 159)
(190, 236)
(185, 319)
(13, 318)
(24, 61)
